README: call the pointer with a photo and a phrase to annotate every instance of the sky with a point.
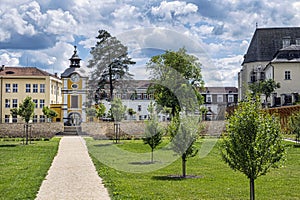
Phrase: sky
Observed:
(43, 33)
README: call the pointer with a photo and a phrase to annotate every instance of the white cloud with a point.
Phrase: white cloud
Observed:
(9, 59)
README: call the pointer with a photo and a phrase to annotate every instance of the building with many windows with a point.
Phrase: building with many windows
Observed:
(217, 99)
(273, 53)
(16, 83)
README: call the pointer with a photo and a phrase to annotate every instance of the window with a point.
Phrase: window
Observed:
(28, 88)
(42, 103)
(139, 96)
(286, 42)
(208, 98)
(35, 101)
(42, 118)
(230, 98)
(74, 102)
(42, 88)
(287, 75)
(15, 103)
(297, 41)
(35, 88)
(15, 88)
(145, 96)
(7, 103)
(139, 108)
(7, 87)
(6, 119)
(220, 98)
(14, 118)
(34, 119)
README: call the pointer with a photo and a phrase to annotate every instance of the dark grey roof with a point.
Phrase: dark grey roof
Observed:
(288, 54)
(219, 90)
(267, 41)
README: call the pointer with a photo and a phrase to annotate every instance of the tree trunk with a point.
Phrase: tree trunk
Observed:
(252, 193)
(152, 155)
(110, 83)
(183, 158)
(26, 133)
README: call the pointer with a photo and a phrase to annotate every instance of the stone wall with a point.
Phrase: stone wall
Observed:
(38, 130)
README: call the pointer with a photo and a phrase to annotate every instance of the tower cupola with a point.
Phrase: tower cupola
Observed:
(75, 60)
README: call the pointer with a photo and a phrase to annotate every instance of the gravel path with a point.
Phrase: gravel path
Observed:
(72, 174)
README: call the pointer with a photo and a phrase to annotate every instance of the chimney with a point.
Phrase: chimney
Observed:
(2, 68)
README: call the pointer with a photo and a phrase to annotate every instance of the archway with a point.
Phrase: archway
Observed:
(74, 118)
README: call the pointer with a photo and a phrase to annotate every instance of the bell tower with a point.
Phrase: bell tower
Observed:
(74, 92)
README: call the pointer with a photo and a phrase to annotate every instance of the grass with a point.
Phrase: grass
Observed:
(24, 167)
(215, 180)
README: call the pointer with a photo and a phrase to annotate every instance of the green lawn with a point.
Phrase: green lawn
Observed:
(24, 167)
(215, 180)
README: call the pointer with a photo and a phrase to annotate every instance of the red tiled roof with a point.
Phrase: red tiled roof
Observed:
(24, 71)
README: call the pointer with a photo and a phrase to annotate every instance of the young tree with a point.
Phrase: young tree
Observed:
(254, 141)
(184, 133)
(173, 74)
(49, 113)
(100, 110)
(110, 62)
(26, 110)
(118, 111)
(131, 112)
(294, 125)
(153, 131)
(265, 87)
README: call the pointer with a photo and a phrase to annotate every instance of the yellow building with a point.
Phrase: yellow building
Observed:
(74, 92)
(16, 83)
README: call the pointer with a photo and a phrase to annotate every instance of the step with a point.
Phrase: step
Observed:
(72, 130)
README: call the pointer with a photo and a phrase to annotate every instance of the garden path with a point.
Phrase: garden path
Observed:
(72, 174)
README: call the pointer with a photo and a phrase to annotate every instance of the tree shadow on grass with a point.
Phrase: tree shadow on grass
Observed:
(175, 177)
(8, 145)
(103, 145)
(143, 163)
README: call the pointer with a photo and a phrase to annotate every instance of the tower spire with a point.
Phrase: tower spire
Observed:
(75, 60)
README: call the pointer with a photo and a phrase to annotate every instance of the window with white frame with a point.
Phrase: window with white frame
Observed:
(219, 98)
(42, 118)
(28, 88)
(34, 119)
(35, 88)
(287, 75)
(35, 101)
(230, 98)
(42, 88)
(7, 87)
(6, 118)
(297, 41)
(286, 42)
(15, 103)
(208, 98)
(42, 103)
(15, 87)
(7, 103)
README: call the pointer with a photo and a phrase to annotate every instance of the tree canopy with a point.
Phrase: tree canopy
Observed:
(110, 62)
(253, 143)
(265, 87)
(177, 79)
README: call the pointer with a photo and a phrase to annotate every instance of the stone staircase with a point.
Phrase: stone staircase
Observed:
(72, 130)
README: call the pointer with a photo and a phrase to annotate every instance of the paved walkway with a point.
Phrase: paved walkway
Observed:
(72, 174)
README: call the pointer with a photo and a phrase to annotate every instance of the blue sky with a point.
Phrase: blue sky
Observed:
(42, 33)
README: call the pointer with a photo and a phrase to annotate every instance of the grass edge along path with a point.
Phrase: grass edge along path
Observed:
(24, 167)
(215, 179)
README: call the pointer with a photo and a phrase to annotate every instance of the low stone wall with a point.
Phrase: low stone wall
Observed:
(38, 130)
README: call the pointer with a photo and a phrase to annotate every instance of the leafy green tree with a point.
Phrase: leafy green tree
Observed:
(153, 131)
(49, 113)
(173, 74)
(118, 111)
(184, 132)
(253, 143)
(100, 110)
(294, 125)
(26, 110)
(110, 62)
(265, 87)
(131, 112)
